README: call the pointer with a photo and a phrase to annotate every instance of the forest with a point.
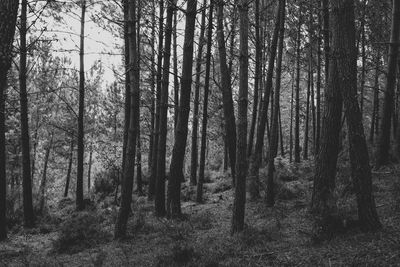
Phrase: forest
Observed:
(199, 133)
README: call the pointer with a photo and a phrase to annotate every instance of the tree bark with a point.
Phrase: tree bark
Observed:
(162, 142)
(199, 192)
(359, 159)
(257, 76)
(89, 174)
(241, 152)
(176, 79)
(323, 203)
(29, 216)
(382, 154)
(297, 95)
(80, 205)
(178, 152)
(44, 175)
(375, 108)
(273, 148)
(68, 178)
(127, 181)
(8, 13)
(257, 155)
(158, 99)
(229, 113)
(195, 123)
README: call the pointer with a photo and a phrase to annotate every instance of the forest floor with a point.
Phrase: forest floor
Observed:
(278, 236)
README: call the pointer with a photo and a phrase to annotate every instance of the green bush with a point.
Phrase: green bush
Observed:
(82, 230)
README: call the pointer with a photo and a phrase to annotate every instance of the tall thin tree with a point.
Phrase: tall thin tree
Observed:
(8, 13)
(178, 152)
(241, 152)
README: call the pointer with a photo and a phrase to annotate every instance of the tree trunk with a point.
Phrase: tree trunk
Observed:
(375, 108)
(241, 152)
(68, 178)
(229, 113)
(273, 148)
(297, 108)
(89, 183)
(257, 155)
(162, 142)
(359, 159)
(318, 93)
(139, 182)
(80, 205)
(127, 181)
(152, 90)
(178, 152)
(8, 13)
(291, 122)
(199, 193)
(29, 217)
(326, 37)
(382, 155)
(195, 123)
(257, 76)
(323, 203)
(127, 104)
(153, 176)
(176, 79)
(44, 176)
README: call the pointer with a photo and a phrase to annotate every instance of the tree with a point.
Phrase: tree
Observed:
(195, 123)
(128, 172)
(257, 75)
(162, 142)
(342, 84)
(156, 133)
(178, 152)
(273, 148)
(80, 205)
(297, 95)
(68, 178)
(382, 153)
(229, 114)
(29, 216)
(8, 13)
(199, 192)
(257, 155)
(241, 152)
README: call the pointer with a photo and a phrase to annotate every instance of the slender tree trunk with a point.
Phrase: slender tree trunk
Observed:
(80, 205)
(153, 176)
(257, 76)
(258, 149)
(318, 93)
(273, 148)
(195, 123)
(241, 152)
(178, 152)
(29, 217)
(297, 108)
(139, 179)
(307, 119)
(8, 13)
(326, 37)
(35, 143)
(127, 181)
(199, 193)
(68, 178)
(43, 183)
(176, 79)
(375, 109)
(153, 104)
(281, 141)
(127, 104)
(291, 122)
(359, 159)
(90, 168)
(382, 154)
(363, 58)
(162, 142)
(229, 114)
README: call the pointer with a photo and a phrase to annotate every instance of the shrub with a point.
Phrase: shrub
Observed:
(82, 230)
(105, 182)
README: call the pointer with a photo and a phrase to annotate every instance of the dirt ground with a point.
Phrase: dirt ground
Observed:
(278, 236)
